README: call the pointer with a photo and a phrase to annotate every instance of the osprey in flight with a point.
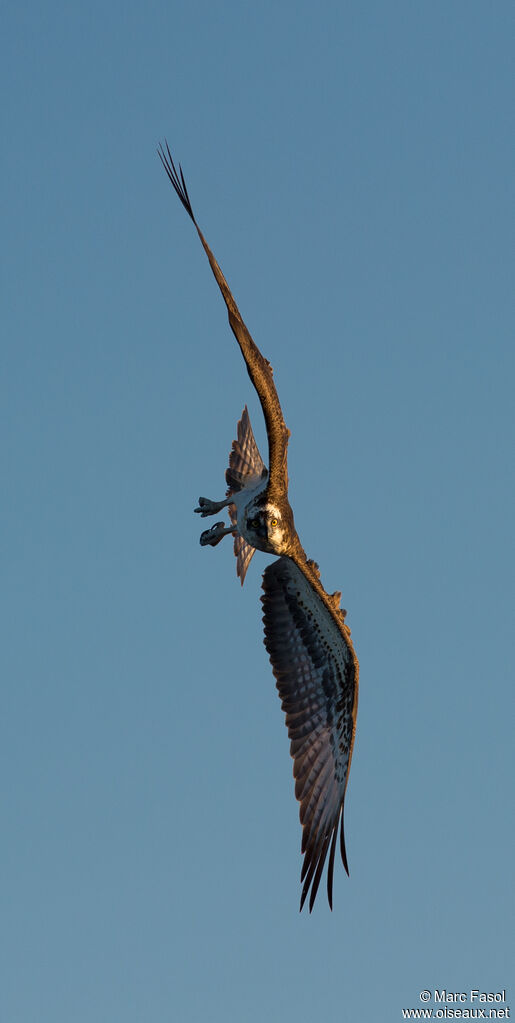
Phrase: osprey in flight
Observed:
(309, 644)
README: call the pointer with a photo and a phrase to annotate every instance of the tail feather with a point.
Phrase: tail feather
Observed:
(246, 467)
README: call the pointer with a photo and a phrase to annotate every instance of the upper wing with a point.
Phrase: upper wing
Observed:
(317, 677)
(246, 469)
(259, 369)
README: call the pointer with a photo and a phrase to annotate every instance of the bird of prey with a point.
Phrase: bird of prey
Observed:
(309, 644)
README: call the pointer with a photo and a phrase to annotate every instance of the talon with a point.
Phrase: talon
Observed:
(207, 507)
(201, 506)
(210, 537)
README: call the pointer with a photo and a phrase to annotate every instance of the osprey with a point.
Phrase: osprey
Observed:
(309, 644)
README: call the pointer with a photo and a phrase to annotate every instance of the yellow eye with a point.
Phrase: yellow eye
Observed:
(273, 522)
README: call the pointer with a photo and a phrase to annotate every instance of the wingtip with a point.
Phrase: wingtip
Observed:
(176, 178)
(342, 848)
(304, 894)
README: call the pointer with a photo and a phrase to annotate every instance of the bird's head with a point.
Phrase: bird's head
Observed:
(265, 528)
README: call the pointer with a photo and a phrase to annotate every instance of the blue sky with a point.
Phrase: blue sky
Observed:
(351, 166)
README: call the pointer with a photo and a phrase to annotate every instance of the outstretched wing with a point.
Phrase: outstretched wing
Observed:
(246, 470)
(317, 678)
(259, 369)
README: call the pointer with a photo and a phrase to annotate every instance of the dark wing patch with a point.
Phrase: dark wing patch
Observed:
(246, 469)
(316, 677)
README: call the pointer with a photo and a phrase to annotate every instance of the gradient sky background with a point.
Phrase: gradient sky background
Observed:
(351, 165)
